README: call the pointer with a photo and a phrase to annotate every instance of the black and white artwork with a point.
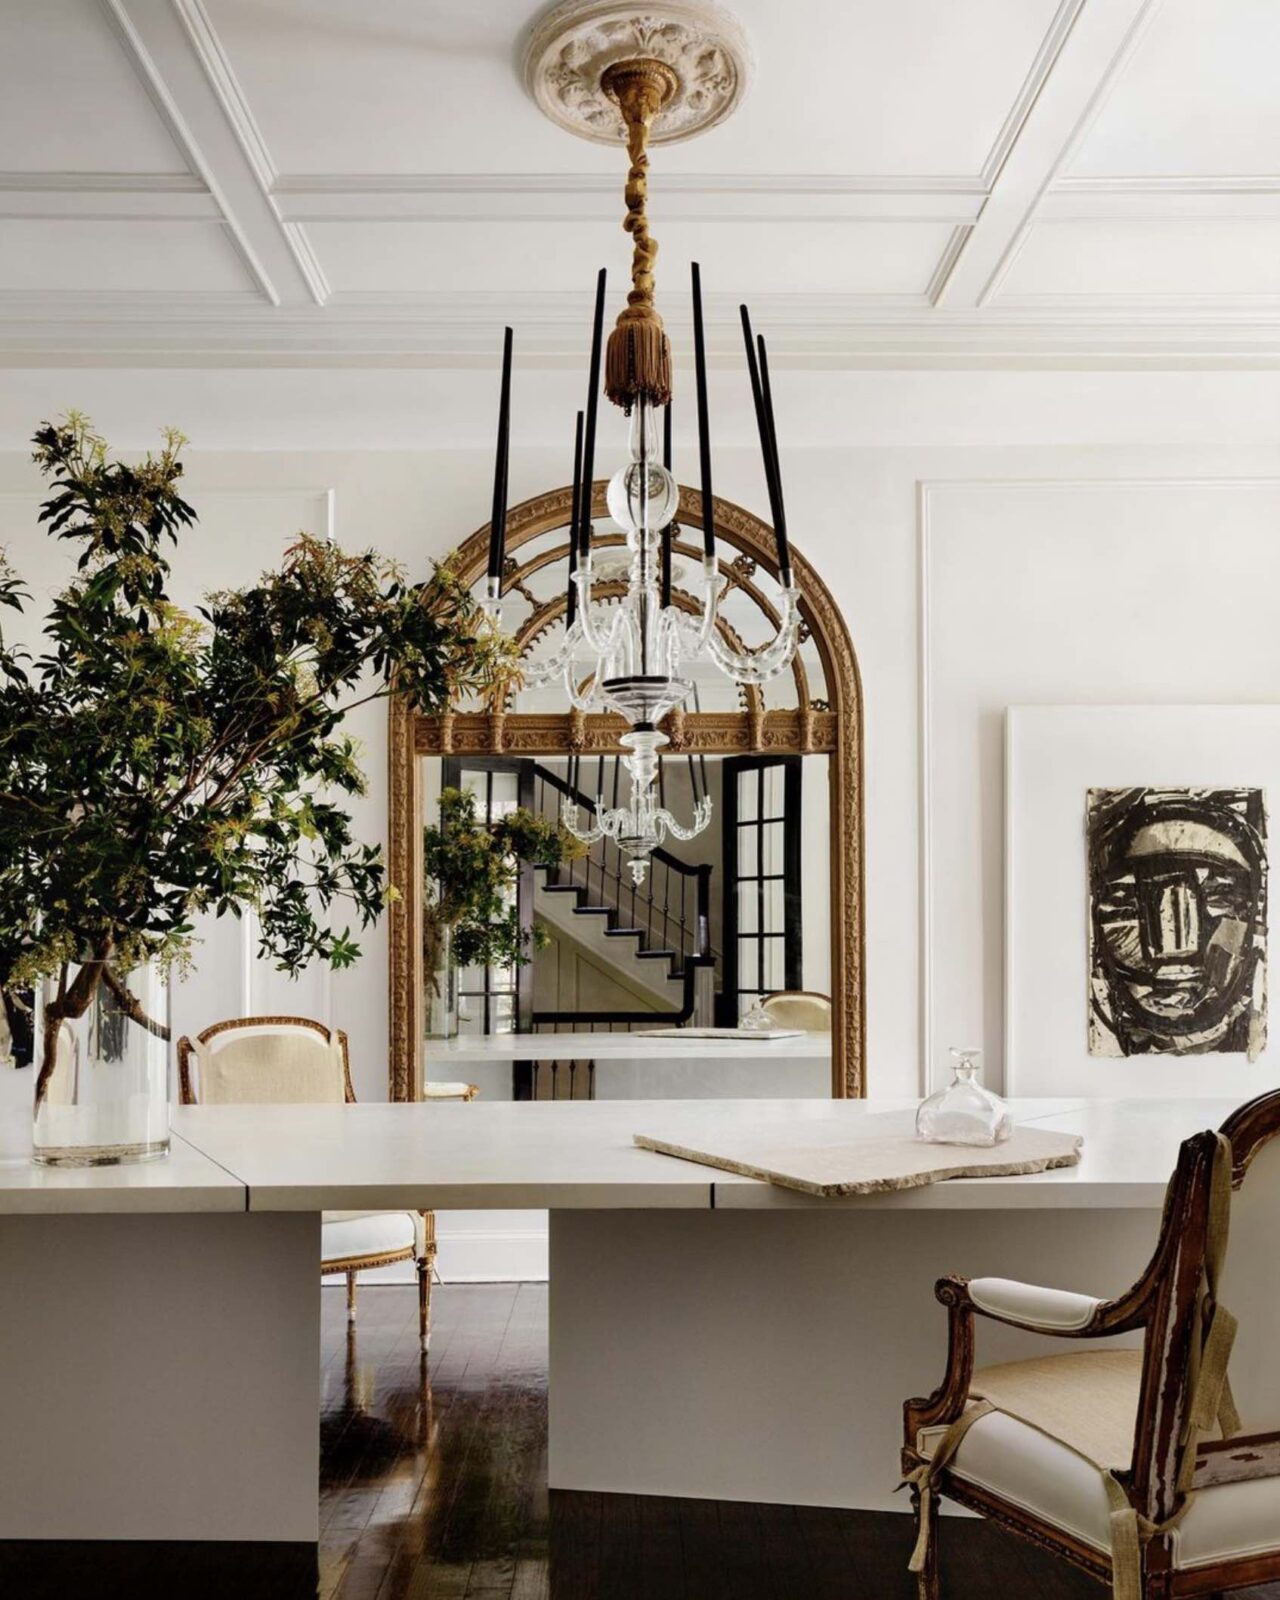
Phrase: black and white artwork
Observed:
(1177, 921)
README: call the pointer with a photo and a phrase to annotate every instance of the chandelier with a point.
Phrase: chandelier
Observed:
(633, 655)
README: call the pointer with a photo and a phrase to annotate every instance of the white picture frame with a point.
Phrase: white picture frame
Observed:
(1053, 756)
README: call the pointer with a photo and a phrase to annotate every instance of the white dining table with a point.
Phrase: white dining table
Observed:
(710, 1335)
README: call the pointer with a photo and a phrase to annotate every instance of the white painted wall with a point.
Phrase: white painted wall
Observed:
(1148, 569)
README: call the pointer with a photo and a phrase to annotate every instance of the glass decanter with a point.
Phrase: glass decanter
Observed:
(964, 1112)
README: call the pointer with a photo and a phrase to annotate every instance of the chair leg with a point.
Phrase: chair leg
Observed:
(426, 1266)
(928, 1581)
(351, 1295)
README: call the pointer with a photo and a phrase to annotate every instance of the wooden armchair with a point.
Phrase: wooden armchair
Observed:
(293, 1060)
(1149, 1467)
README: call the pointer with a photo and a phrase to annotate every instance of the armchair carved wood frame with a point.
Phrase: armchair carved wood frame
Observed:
(421, 1251)
(1164, 1303)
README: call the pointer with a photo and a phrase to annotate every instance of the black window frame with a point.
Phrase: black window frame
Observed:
(791, 932)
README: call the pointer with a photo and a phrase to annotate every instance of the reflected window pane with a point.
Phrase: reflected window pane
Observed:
(775, 894)
(748, 791)
(748, 908)
(748, 855)
(774, 976)
(771, 847)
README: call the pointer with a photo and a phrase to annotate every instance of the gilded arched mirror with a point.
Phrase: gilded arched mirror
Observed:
(769, 899)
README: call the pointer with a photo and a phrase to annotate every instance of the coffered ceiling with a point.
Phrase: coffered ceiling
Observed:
(1058, 181)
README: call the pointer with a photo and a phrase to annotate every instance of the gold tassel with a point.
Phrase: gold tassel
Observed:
(638, 360)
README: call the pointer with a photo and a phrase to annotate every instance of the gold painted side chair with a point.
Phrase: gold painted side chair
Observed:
(295, 1061)
(799, 1008)
(1156, 1469)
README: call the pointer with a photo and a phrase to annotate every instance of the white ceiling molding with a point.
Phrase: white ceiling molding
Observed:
(107, 197)
(1095, 43)
(1041, 67)
(807, 332)
(1163, 268)
(545, 197)
(175, 52)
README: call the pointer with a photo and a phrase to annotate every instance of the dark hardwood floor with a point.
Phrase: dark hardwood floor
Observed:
(433, 1487)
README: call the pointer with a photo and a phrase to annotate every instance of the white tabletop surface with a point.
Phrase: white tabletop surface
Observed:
(490, 1154)
(442, 1054)
(581, 1154)
(557, 1154)
(186, 1180)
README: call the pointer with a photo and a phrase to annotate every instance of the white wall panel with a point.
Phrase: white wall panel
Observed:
(1075, 592)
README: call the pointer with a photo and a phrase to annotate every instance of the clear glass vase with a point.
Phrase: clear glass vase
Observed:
(102, 1077)
(442, 990)
(964, 1112)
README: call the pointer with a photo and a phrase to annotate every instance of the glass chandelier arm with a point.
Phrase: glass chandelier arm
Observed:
(600, 642)
(589, 835)
(542, 669)
(590, 701)
(713, 587)
(665, 823)
(767, 660)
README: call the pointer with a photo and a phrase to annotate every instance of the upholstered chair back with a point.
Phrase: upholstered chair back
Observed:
(260, 1062)
(1250, 1289)
(800, 1009)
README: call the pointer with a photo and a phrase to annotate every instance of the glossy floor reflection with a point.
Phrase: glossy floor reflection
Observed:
(433, 1487)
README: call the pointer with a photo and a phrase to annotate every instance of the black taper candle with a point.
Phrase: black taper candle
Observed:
(704, 427)
(498, 521)
(589, 437)
(762, 427)
(669, 532)
(571, 595)
(779, 510)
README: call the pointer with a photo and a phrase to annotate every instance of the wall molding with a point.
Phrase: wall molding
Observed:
(927, 491)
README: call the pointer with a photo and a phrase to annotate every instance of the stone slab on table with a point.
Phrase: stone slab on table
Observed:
(874, 1156)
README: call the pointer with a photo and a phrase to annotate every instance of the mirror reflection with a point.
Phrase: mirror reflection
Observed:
(552, 973)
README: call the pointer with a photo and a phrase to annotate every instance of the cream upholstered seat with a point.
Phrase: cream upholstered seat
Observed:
(1157, 1467)
(799, 1008)
(294, 1061)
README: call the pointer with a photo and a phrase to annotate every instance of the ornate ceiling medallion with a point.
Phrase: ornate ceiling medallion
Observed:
(574, 44)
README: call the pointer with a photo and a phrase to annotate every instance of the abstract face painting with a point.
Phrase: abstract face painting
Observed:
(1177, 921)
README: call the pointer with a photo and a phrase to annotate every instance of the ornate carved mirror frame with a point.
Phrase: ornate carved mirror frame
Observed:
(814, 727)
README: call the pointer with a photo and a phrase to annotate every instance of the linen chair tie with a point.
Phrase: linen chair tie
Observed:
(922, 1478)
(1210, 1402)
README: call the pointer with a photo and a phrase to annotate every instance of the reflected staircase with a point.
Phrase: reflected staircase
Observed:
(666, 921)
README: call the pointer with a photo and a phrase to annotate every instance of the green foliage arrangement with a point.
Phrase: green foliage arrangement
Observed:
(471, 870)
(156, 764)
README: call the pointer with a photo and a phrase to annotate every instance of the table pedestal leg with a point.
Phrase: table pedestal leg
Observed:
(753, 1355)
(159, 1377)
